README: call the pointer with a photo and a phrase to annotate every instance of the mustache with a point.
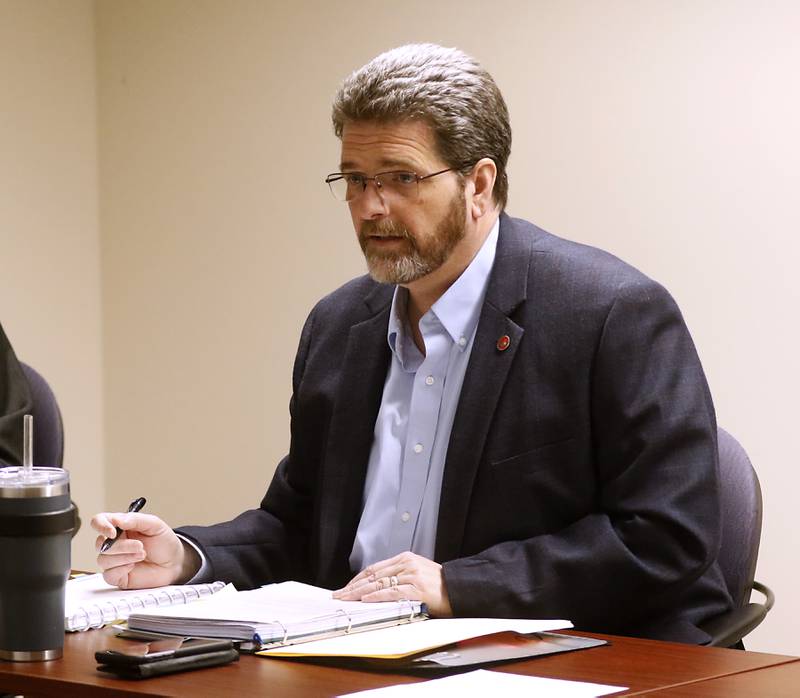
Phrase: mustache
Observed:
(384, 228)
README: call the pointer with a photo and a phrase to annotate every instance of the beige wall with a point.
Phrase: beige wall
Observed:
(662, 131)
(49, 243)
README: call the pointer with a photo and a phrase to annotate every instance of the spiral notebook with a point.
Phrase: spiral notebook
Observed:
(91, 603)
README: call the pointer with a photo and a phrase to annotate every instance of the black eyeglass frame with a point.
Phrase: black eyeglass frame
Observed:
(336, 176)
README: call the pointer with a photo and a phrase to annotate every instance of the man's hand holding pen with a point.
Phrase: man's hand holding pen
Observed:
(136, 505)
(146, 553)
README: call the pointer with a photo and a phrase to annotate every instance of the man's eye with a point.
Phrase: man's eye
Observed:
(355, 180)
(405, 178)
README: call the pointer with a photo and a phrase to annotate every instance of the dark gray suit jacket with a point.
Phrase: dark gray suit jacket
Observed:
(581, 475)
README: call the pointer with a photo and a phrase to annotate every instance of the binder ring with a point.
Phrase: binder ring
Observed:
(411, 610)
(285, 631)
(349, 619)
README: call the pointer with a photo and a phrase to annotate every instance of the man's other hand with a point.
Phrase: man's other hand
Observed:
(147, 554)
(404, 576)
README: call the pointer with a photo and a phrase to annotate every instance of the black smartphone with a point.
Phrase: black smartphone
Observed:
(126, 653)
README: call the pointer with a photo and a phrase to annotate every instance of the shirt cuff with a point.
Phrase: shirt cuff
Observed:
(205, 567)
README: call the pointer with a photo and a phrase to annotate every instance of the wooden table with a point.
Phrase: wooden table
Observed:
(779, 681)
(643, 665)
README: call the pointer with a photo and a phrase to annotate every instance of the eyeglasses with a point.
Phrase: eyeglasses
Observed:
(347, 186)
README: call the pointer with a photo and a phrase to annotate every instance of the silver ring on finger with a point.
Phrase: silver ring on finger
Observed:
(382, 583)
(393, 581)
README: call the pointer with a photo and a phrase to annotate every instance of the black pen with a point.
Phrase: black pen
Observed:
(136, 505)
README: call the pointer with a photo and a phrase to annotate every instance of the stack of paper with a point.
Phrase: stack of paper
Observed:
(277, 613)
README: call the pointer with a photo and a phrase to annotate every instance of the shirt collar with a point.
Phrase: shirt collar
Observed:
(459, 307)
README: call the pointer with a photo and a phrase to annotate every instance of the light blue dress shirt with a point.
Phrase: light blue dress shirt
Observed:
(412, 431)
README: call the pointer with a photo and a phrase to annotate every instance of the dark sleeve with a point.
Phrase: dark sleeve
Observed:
(655, 526)
(268, 544)
(15, 402)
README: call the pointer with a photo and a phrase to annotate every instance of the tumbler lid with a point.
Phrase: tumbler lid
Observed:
(40, 482)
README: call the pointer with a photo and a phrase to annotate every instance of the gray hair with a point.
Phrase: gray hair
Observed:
(444, 87)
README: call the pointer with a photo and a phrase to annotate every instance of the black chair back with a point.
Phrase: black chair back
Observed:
(740, 494)
(740, 497)
(48, 428)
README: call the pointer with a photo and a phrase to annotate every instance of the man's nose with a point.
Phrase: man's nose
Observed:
(372, 202)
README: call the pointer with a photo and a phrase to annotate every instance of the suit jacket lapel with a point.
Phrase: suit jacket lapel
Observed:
(483, 383)
(363, 373)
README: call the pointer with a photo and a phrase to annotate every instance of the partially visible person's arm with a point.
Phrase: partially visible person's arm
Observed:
(15, 402)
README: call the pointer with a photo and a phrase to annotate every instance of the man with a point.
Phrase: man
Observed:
(498, 422)
(15, 402)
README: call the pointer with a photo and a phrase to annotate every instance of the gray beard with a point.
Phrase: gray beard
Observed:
(398, 270)
(406, 267)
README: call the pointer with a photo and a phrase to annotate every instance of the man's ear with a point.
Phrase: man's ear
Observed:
(483, 175)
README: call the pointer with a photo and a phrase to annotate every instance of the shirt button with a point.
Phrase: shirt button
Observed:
(405, 517)
(430, 380)
(417, 448)
(462, 342)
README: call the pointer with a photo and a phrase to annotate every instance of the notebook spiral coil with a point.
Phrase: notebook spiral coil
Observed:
(117, 607)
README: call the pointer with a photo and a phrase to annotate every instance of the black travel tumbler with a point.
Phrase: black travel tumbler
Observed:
(36, 524)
